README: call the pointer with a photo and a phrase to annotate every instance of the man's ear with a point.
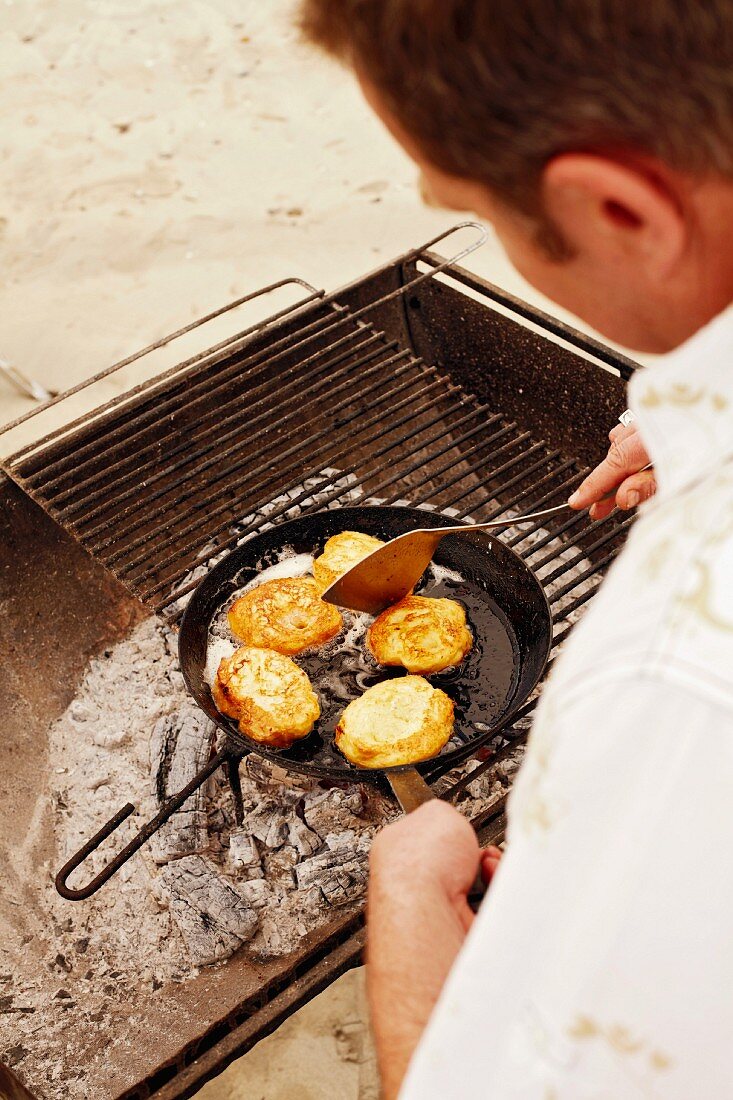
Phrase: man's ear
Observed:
(614, 212)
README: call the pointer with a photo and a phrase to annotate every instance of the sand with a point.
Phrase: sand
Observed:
(162, 158)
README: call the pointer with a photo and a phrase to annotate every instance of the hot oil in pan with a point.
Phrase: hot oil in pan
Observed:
(343, 669)
(479, 686)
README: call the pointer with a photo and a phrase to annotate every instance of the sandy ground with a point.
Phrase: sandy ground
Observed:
(161, 158)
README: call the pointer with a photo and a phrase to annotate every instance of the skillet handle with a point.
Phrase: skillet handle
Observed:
(167, 810)
(411, 791)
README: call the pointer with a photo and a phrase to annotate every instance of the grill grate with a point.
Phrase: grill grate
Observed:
(158, 482)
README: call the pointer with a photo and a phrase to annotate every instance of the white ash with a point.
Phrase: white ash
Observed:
(180, 747)
(213, 917)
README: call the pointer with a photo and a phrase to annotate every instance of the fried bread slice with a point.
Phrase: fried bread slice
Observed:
(287, 615)
(269, 695)
(421, 634)
(399, 721)
(340, 552)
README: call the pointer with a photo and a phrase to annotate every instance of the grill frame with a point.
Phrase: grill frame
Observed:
(444, 326)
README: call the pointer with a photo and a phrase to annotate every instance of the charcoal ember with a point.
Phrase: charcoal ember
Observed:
(333, 811)
(340, 874)
(288, 787)
(279, 864)
(244, 855)
(257, 892)
(508, 768)
(347, 839)
(302, 838)
(213, 918)
(269, 823)
(180, 746)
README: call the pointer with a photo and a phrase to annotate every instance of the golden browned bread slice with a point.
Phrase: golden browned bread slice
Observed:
(423, 635)
(340, 553)
(287, 615)
(396, 722)
(268, 694)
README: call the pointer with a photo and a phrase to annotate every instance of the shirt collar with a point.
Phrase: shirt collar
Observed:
(684, 406)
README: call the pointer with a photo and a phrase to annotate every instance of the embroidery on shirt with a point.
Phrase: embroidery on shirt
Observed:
(537, 812)
(657, 558)
(642, 1062)
(681, 395)
(702, 599)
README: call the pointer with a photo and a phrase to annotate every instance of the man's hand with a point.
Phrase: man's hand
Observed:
(619, 470)
(433, 849)
(421, 869)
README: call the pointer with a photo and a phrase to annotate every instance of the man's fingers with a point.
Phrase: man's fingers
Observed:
(490, 859)
(600, 511)
(621, 431)
(636, 489)
(631, 492)
(625, 457)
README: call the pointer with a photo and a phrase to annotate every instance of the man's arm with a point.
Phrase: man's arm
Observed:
(422, 868)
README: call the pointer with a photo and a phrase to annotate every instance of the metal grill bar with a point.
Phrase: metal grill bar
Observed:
(605, 538)
(577, 517)
(469, 456)
(239, 503)
(186, 395)
(154, 382)
(514, 503)
(207, 392)
(242, 435)
(285, 345)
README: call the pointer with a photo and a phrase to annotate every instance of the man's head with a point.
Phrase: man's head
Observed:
(597, 136)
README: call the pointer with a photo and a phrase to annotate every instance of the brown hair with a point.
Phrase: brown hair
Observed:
(490, 90)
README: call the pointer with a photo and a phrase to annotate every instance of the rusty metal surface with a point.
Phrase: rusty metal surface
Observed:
(59, 607)
(11, 1088)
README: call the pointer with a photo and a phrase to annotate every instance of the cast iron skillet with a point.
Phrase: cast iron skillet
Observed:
(507, 611)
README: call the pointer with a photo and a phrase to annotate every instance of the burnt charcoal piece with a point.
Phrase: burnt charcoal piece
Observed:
(213, 918)
(301, 837)
(257, 893)
(269, 823)
(180, 746)
(340, 875)
(244, 856)
(329, 811)
(288, 786)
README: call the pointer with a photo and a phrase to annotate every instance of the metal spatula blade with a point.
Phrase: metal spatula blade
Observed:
(388, 573)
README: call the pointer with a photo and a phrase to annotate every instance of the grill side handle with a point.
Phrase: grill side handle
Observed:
(169, 807)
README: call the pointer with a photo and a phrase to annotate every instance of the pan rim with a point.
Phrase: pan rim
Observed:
(350, 772)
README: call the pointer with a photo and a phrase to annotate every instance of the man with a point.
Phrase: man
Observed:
(597, 136)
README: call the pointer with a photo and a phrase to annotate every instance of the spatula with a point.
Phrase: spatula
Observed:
(391, 571)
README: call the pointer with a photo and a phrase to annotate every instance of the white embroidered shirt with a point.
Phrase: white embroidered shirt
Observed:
(600, 966)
